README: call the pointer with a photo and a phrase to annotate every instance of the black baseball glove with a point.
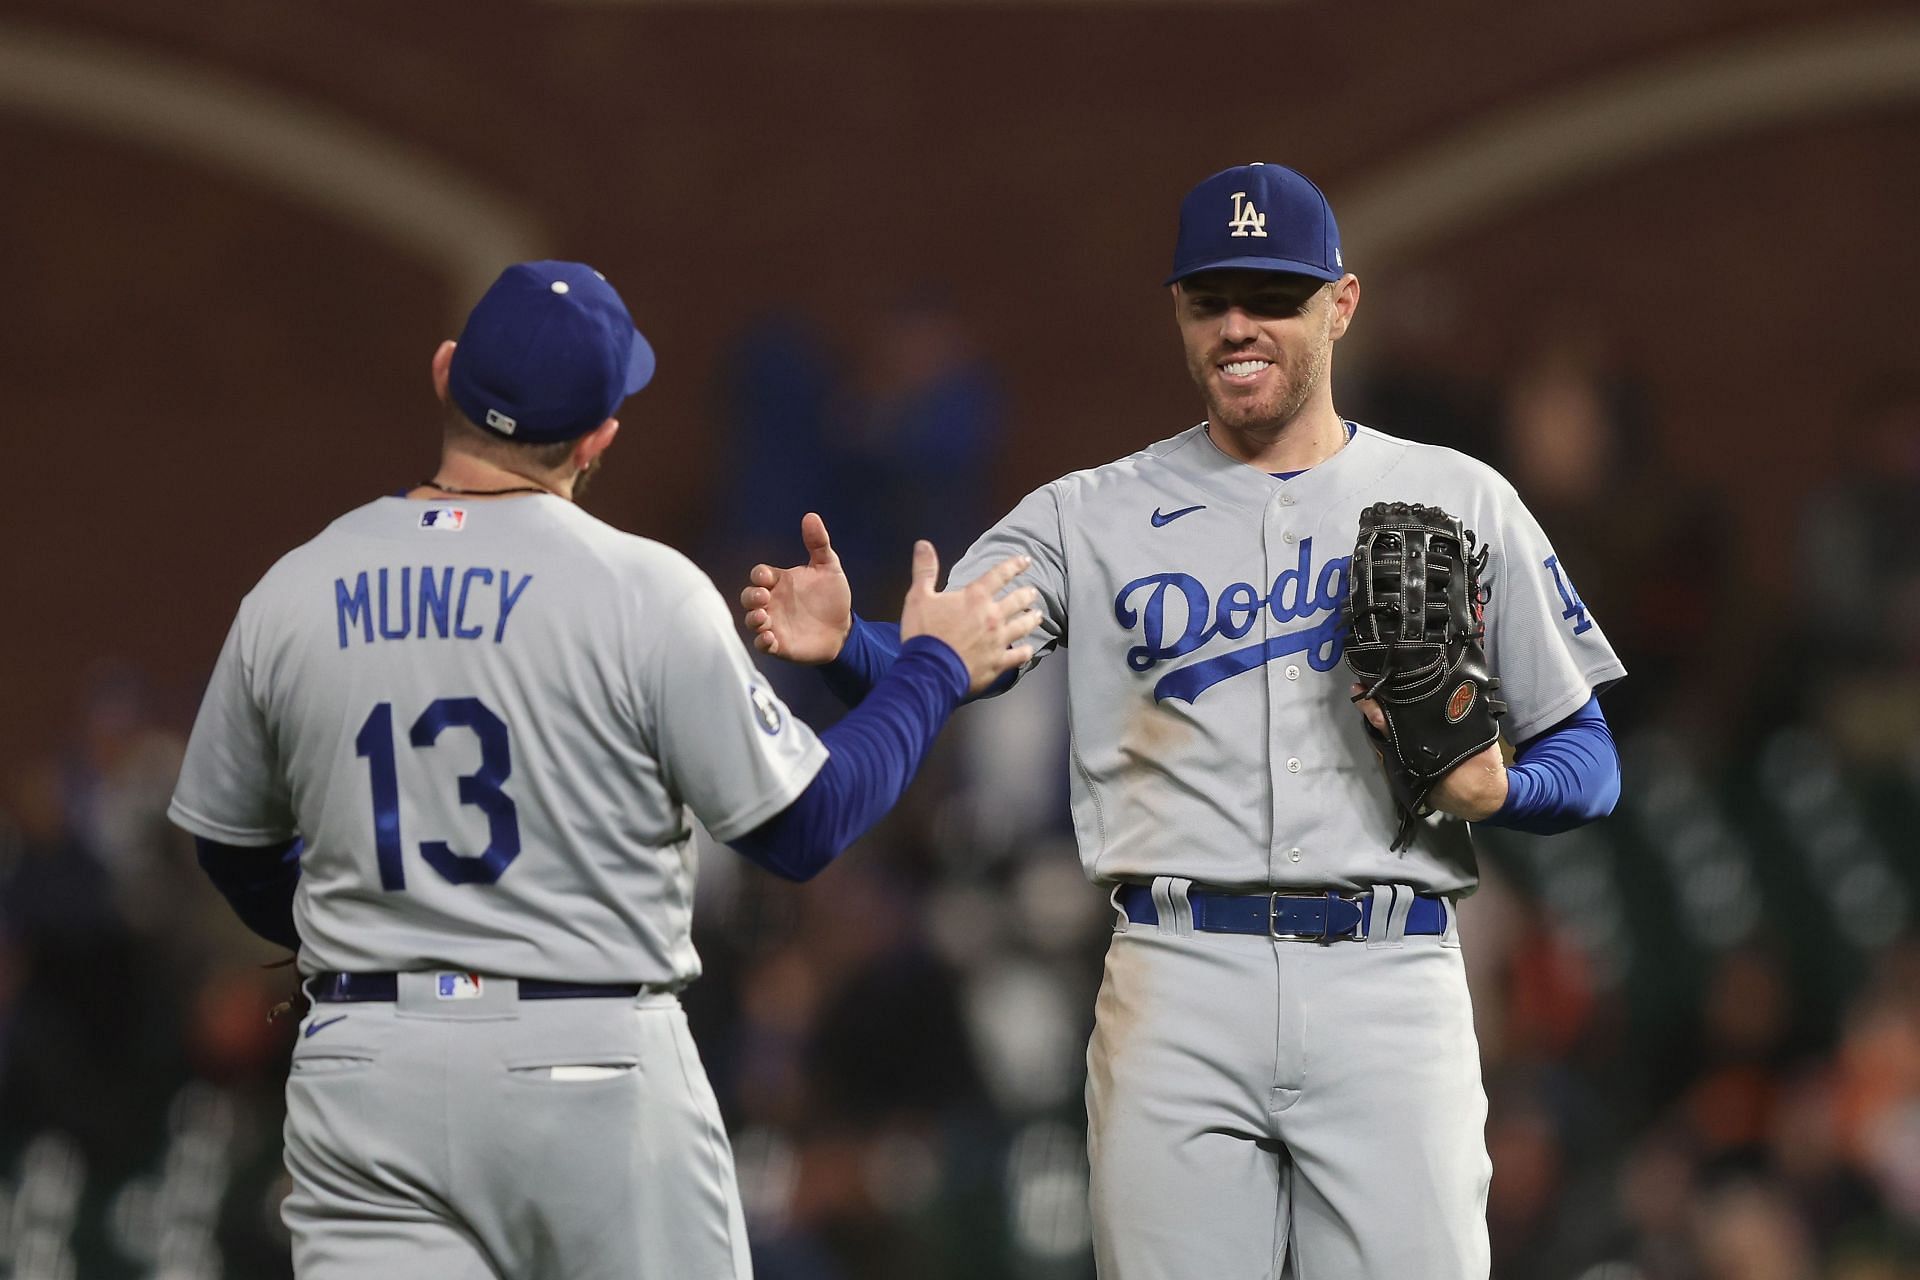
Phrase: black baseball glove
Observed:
(1415, 627)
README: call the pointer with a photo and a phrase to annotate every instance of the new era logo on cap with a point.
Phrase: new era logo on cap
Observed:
(1257, 217)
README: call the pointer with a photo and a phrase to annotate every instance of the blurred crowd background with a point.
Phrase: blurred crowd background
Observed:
(900, 264)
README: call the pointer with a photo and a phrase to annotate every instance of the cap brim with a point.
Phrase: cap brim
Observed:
(1286, 265)
(639, 363)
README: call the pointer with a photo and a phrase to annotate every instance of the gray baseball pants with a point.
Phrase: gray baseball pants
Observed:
(498, 1139)
(1264, 1107)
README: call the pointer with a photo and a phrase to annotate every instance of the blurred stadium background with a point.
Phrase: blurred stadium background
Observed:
(1655, 260)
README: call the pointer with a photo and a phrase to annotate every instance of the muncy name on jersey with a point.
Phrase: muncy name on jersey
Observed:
(1147, 602)
(412, 603)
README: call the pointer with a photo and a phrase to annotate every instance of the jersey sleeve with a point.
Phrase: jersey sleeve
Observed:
(232, 788)
(729, 749)
(1543, 642)
(1032, 528)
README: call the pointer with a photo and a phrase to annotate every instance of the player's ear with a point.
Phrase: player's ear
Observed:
(595, 443)
(1345, 301)
(442, 367)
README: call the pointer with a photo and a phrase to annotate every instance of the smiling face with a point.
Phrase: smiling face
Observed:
(1259, 342)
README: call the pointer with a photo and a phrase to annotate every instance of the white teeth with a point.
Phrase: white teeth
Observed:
(1243, 368)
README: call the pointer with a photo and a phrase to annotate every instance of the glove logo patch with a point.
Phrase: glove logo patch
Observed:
(1460, 703)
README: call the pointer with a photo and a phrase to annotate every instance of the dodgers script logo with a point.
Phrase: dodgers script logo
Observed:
(1159, 602)
(1247, 220)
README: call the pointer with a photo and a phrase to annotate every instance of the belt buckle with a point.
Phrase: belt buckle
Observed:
(1326, 933)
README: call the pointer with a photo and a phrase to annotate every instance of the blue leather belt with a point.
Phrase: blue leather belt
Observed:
(1319, 917)
(357, 988)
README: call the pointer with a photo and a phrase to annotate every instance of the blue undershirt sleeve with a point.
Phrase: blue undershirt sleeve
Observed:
(1564, 777)
(869, 650)
(258, 883)
(873, 754)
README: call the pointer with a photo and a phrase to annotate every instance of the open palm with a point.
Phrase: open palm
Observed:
(803, 613)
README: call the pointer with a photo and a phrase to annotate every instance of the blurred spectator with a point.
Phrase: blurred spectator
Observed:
(1877, 1084)
(84, 1038)
(1658, 1187)
(921, 447)
(1859, 573)
(1528, 1149)
(1747, 1230)
(119, 777)
(778, 399)
(1403, 378)
(778, 394)
(903, 451)
(1550, 998)
(1647, 551)
(1729, 1108)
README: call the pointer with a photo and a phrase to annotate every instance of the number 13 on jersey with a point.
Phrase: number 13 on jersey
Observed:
(481, 789)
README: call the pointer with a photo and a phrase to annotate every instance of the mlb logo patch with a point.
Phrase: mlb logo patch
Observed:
(459, 986)
(444, 519)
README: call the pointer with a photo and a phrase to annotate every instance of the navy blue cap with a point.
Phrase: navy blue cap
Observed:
(548, 354)
(1257, 217)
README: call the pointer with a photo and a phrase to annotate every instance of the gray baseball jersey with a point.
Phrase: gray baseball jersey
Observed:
(491, 722)
(1213, 738)
(1258, 1106)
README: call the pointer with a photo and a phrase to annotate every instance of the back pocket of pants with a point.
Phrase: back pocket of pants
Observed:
(585, 1069)
(318, 1065)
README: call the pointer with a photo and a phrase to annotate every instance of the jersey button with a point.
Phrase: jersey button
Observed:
(1286, 499)
(1293, 671)
(1293, 855)
(1293, 764)
(1286, 537)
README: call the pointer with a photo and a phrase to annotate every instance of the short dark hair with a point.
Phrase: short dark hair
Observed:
(463, 435)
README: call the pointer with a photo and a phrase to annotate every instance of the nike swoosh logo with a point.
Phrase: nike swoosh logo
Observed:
(322, 1026)
(1160, 521)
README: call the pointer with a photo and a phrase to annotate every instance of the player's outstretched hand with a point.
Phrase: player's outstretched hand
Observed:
(975, 620)
(802, 614)
(1474, 789)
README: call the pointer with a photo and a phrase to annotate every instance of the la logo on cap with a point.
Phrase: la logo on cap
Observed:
(1247, 220)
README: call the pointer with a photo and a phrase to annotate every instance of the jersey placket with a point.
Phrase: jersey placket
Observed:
(1287, 859)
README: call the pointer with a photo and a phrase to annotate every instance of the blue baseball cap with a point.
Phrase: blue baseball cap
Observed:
(548, 354)
(1257, 217)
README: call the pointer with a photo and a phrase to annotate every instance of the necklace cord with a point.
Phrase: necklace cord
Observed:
(483, 493)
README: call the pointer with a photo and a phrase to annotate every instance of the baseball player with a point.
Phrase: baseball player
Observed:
(1283, 1072)
(452, 751)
